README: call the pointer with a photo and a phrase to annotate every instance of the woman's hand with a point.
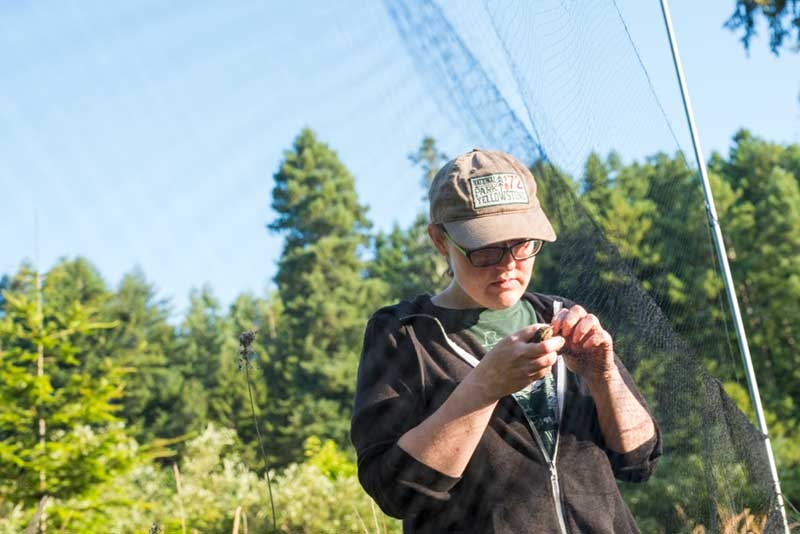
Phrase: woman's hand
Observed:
(515, 362)
(588, 348)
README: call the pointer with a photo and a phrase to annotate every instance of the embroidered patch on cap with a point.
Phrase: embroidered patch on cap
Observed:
(498, 190)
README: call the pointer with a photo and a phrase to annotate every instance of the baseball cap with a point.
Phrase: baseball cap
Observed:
(487, 196)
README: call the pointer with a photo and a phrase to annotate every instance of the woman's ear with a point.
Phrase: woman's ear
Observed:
(438, 239)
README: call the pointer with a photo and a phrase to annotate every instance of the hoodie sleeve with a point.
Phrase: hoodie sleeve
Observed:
(636, 465)
(389, 401)
(633, 466)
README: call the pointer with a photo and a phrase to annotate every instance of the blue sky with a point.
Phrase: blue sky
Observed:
(147, 135)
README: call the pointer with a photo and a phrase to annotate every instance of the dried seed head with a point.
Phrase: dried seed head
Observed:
(545, 332)
(247, 338)
(246, 354)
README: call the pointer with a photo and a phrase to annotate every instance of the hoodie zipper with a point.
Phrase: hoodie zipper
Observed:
(555, 487)
(560, 384)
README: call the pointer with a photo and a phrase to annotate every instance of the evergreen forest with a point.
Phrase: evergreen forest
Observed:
(118, 418)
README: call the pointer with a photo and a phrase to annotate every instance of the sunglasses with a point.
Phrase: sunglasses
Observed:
(493, 254)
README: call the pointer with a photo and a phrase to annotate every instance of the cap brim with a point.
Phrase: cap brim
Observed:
(482, 231)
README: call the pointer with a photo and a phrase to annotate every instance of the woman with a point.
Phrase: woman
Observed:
(464, 420)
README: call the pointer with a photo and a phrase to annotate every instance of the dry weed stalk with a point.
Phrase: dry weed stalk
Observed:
(744, 522)
(236, 515)
(246, 340)
(180, 496)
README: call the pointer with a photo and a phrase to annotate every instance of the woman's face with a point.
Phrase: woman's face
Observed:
(494, 287)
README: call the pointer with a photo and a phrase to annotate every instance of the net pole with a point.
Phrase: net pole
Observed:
(719, 245)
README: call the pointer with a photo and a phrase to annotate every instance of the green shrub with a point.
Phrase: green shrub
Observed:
(319, 496)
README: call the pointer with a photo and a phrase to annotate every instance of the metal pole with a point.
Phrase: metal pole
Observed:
(723, 262)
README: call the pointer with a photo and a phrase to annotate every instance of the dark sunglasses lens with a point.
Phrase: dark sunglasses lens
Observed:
(526, 249)
(483, 257)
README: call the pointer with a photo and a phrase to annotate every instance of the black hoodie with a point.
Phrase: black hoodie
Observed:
(409, 366)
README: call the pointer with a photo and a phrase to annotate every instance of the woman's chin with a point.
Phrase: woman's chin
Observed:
(503, 297)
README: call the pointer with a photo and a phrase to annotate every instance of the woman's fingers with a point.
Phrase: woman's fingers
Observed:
(565, 320)
(587, 326)
(541, 366)
(516, 361)
(577, 326)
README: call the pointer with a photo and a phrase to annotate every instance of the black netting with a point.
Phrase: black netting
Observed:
(558, 101)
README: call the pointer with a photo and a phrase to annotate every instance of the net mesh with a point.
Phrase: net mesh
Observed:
(544, 80)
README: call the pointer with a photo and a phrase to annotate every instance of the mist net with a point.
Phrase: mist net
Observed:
(553, 81)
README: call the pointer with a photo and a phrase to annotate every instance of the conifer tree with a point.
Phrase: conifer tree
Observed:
(326, 298)
(143, 342)
(78, 280)
(596, 184)
(651, 212)
(763, 247)
(406, 260)
(229, 400)
(57, 440)
(556, 192)
(197, 357)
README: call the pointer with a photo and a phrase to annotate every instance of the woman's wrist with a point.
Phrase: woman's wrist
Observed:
(479, 387)
(603, 380)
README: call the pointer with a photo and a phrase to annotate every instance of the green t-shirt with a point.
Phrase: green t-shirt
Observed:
(539, 399)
